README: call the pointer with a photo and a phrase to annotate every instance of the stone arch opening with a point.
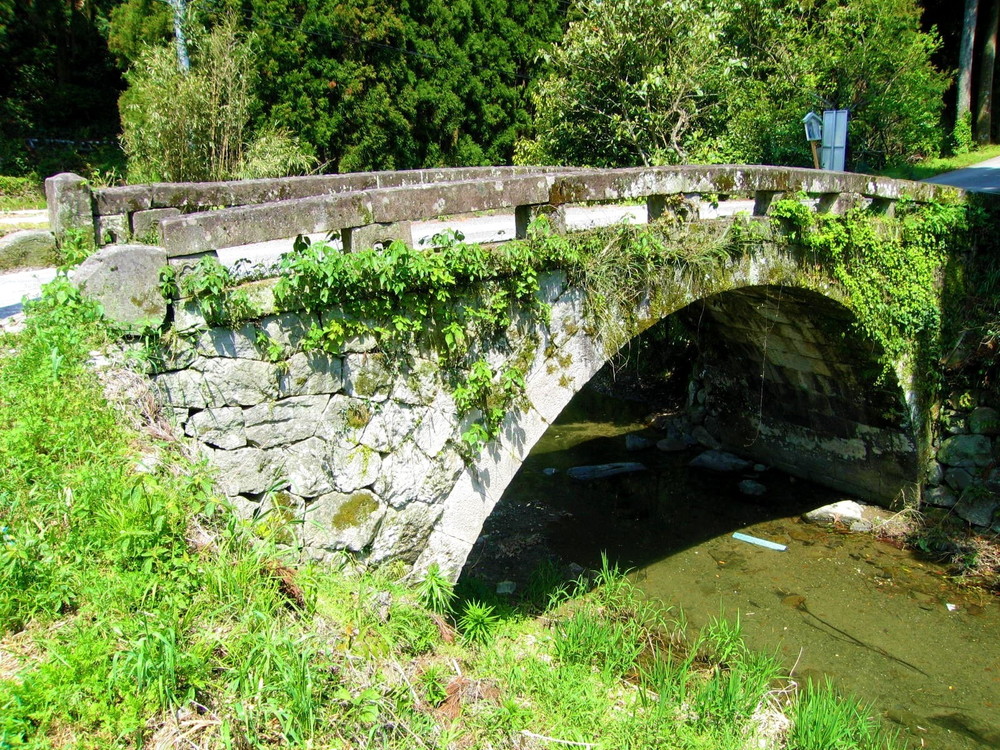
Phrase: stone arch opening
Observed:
(780, 376)
(784, 378)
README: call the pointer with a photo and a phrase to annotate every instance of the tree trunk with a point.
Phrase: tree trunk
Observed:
(180, 11)
(984, 118)
(965, 58)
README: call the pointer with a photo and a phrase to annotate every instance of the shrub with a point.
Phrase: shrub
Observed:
(195, 126)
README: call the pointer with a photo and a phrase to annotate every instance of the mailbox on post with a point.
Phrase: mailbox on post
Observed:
(814, 134)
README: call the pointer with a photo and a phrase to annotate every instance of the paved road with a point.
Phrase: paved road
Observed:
(979, 178)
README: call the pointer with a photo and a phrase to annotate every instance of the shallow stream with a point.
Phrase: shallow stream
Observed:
(885, 625)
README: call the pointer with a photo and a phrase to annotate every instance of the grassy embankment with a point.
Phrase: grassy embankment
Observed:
(136, 612)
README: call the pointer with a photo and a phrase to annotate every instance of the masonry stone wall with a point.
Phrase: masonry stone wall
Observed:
(361, 451)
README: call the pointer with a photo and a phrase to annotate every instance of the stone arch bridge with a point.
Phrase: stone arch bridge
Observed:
(354, 451)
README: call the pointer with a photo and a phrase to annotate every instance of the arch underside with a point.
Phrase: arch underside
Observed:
(782, 377)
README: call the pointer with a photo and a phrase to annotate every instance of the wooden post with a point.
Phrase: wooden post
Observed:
(815, 154)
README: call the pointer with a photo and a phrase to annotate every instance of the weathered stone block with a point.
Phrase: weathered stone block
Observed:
(229, 342)
(183, 388)
(287, 420)
(287, 329)
(354, 468)
(844, 511)
(984, 420)
(434, 431)
(28, 248)
(958, 479)
(941, 497)
(402, 476)
(367, 376)
(222, 427)
(71, 205)
(307, 467)
(966, 450)
(311, 373)
(525, 215)
(146, 224)
(113, 229)
(977, 509)
(390, 425)
(188, 317)
(245, 470)
(125, 279)
(376, 236)
(240, 382)
(342, 521)
(403, 534)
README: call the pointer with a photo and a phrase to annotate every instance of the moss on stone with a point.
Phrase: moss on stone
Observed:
(354, 511)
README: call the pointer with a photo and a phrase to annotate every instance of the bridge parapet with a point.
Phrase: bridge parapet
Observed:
(196, 218)
(116, 213)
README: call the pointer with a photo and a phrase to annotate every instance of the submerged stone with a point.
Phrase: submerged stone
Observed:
(717, 460)
(636, 442)
(751, 488)
(672, 445)
(600, 471)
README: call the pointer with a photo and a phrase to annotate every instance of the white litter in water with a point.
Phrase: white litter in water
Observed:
(759, 542)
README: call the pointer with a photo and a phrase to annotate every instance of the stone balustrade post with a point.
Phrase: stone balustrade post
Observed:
(837, 203)
(71, 205)
(884, 206)
(763, 199)
(686, 206)
(524, 215)
(376, 236)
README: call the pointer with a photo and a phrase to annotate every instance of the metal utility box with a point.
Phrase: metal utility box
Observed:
(834, 150)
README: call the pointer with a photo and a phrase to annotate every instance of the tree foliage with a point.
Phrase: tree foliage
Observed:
(648, 81)
(179, 126)
(58, 78)
(390, 85)
(631, 82)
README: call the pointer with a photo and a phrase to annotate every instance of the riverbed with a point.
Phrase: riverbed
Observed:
(885, 625)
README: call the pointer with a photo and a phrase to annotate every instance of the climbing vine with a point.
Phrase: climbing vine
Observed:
(461, 298)
(891, 270)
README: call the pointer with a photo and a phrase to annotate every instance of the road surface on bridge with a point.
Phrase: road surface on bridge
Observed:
(983, 177)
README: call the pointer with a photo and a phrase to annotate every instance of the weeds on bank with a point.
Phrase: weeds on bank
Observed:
(133, 613)
(942, 536)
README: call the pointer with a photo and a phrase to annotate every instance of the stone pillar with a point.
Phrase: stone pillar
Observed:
(376, 236)
(837, 203)
(524, 215)
(883, 206)
(762, 200)
(71, 205)
(685, 207)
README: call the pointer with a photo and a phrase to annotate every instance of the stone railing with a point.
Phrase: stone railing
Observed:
(192, 219)
(118, 214)
(527, 194)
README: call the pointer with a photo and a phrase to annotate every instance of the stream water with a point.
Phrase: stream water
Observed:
(885, 625)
